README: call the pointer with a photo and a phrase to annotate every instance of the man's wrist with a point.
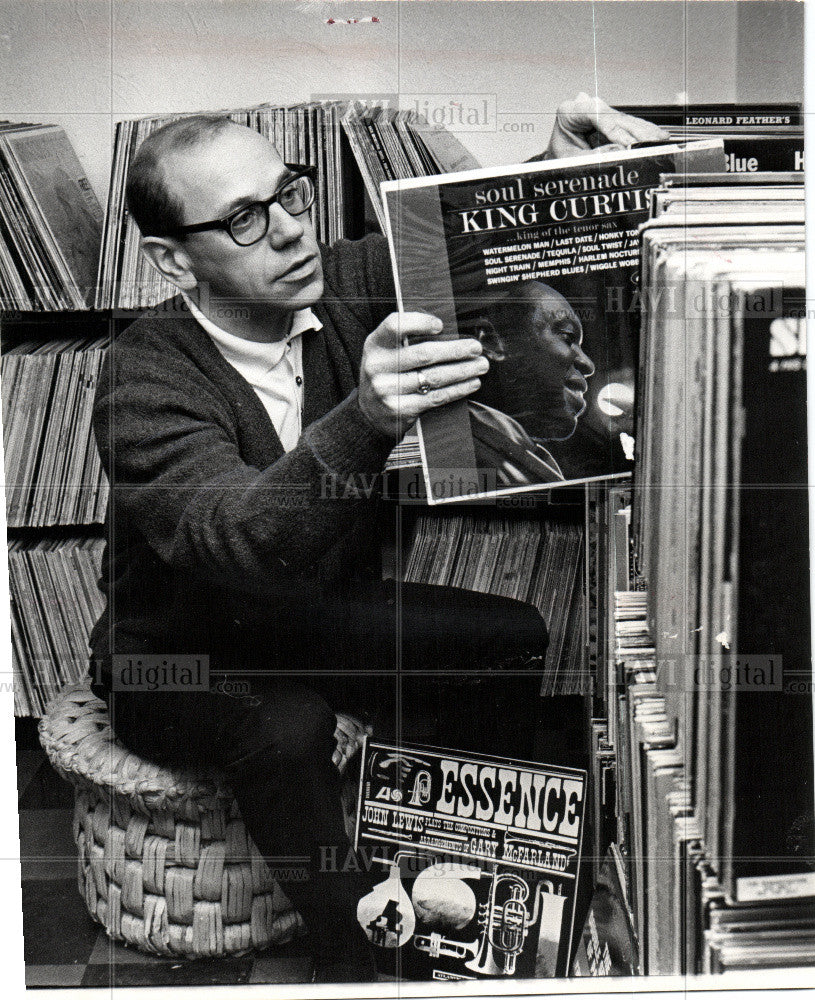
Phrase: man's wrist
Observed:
(346, 443)
(391, 439)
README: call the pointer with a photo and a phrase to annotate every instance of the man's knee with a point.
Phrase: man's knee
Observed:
(529, 628)
(515, 627)
(291, 724)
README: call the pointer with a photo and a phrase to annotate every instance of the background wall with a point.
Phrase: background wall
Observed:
(88, 63)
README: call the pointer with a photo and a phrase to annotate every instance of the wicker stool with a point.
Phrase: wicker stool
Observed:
(165, 863)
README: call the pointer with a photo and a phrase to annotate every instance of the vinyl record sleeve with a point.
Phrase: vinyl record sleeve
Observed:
(608, 944)
(60, 193)
(539, 263)
(479, 858)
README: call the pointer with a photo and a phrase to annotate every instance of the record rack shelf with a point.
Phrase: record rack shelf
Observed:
(55, 496)
(702, 736)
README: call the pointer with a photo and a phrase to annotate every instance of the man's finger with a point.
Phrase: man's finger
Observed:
(626, 131)
(419, 404)
(393, 330)
(577, 137)
(424, 380)
(421, 381)
(614, 125)
(583, 122)
(436, 352)
(620, 135)
(643, 131)
(349, 725)
(593, 110)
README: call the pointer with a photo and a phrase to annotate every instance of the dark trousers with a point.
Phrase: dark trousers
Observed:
(432, 664)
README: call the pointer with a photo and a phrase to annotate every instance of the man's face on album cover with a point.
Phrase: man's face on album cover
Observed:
(539, 370)
(281, 272)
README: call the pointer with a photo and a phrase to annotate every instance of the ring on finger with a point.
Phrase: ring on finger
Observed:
(424, 388)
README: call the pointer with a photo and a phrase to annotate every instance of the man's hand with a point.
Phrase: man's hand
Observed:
(589, 123)
(398, 383)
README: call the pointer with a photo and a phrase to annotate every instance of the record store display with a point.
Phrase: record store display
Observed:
(55, 602)
(50, 221)
(704, 745)
(676, 598)
(53, 474)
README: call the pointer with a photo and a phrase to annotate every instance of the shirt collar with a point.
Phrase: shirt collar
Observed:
(259, 357)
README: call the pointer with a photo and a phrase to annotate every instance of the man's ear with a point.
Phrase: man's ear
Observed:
(491, 340)
(170, 259)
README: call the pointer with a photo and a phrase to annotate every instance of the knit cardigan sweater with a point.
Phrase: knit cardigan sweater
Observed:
(212, 527)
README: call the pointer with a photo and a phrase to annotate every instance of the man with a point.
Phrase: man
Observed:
(535, 391)
(237, 428)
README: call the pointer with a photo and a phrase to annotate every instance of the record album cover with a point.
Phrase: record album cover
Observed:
(538, 262)
(479, 860)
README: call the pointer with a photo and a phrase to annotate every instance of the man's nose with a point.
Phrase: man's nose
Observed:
(583, 362)
(284, 228)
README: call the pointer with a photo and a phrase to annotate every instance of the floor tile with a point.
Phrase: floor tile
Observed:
(107, 952)
(288, 963)
(54, 975)
(47, 848)
(56, 926)
(203, 972)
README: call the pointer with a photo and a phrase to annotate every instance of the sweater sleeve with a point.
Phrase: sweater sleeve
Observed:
(380, 278)
(169, 447)
(359, 273)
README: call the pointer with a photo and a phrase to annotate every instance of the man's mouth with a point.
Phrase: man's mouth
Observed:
(577, 385)
(301, 268)
(575, 393)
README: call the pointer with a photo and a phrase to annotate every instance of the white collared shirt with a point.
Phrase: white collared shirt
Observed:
(274, 370)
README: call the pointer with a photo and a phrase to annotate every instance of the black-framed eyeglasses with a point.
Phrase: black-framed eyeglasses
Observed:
(250, 223)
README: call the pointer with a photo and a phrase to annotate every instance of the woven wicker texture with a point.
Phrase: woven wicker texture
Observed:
(165, 862)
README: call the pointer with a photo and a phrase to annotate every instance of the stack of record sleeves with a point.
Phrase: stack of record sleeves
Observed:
(394, 144)
(756, 136)
(55, 602)
(523, 557)
(707, 693)
(52, 466)
(50, 221)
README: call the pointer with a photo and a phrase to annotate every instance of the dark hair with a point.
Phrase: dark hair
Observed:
(156, 209)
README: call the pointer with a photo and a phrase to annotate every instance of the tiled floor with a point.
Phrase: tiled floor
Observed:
(64, 947)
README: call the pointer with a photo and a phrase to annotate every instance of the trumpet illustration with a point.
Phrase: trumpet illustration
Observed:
(504, 928)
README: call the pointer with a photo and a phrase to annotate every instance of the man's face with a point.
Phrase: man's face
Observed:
(543, 374)
(280, 273)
